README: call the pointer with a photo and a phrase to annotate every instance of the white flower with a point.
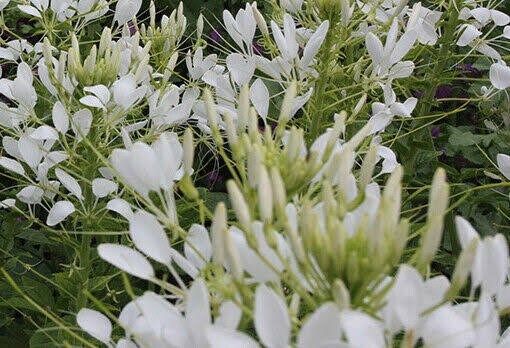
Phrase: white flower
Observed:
(504, 165)
(286, 40)
(241, 68)
(149, 237)
(95, 324)
(491, 264)
(500, 75)
(383, 113)
(153, 321)
(103, 187)
(259, 96)
(386, 59)
(484, 15)
(242, 28)
(444, 328)
(126, 259)
(198, 65)
(99, 98)
(59, 212)
(150, 168)
(321, 328)
(126, 10)
(70, 183)
(372, 335)
(126, 93)
(20, 89)
(423, 21)
(272, 320)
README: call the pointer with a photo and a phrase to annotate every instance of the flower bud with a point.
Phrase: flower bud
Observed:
(438, 205)
(232, 255)
(346, 11)
(278, 189)
(341, 294)
(265, 195)
(152, 14)
(218, 226)
(340, 122)
(90, 62)
(230, 130)
(288, 101)
(462, 269)
(200, 26)
(105, 41)
(391, 201)
(239, 204)
(295, 301)
(253, 126)
(46, 50)
(259, 18)
(62, 59)
(188, 152)
(210, 107)
(243, 108)
(189, 190)
(367, 168)
(359, 105)
(170, 66)
(254, 162)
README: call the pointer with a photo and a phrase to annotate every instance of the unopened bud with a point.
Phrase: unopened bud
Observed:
(218, 226)
(392, 201)
(105, 41)
(210, 107)
(254, 163)
(359, 105)
(340, 122)
(170, 66)
(295, 301)
(438, 204)
(341, 294)
(294, 144)
(90, 62)
(346, 11)
(188, 152)
(243, 108)
(239, 204)
(152, 14)
(232, 255)
(367, 168)
(278, 189)
(187, 187)
(265, 195)
(46, 49)
(259, 18)
(288, 102)
(462, 269)
(230, 130)
(200, 26)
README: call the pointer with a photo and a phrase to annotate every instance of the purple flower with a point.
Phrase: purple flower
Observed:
(215, 36)
(469, 70)
(435, 132)
(132, 28)
(444, 91)
(257, 48)
(418, 94)
(213, 177)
